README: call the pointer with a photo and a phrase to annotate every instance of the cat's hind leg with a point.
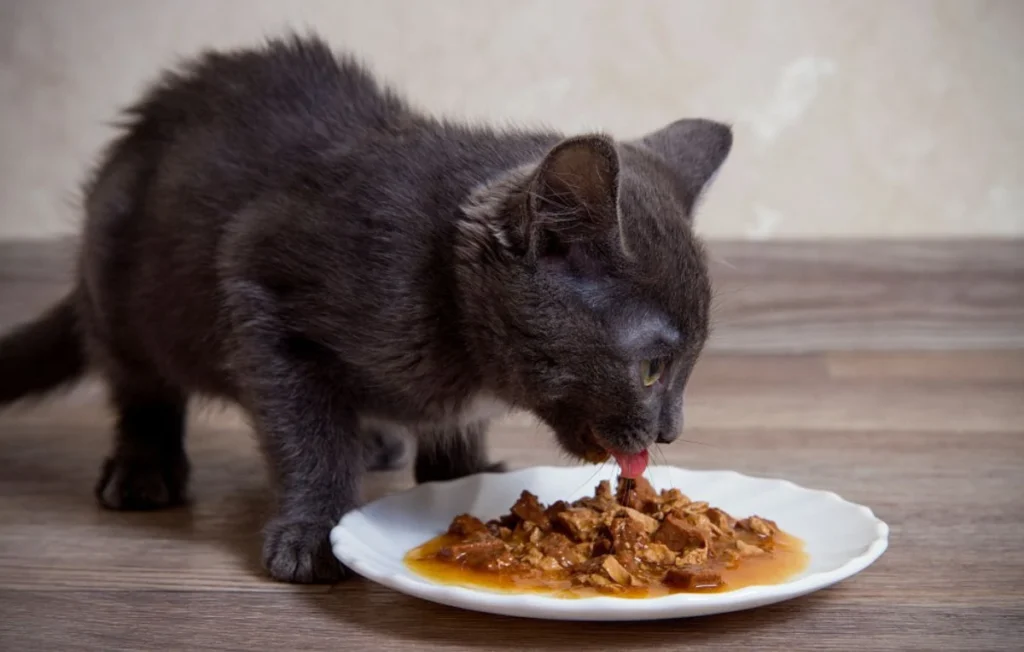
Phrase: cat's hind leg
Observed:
(447, 454)
(148, 468)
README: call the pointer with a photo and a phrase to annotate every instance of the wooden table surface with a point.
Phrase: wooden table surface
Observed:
(931, 437)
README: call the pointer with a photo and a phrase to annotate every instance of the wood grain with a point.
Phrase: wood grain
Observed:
(932, 440)
(869, 295)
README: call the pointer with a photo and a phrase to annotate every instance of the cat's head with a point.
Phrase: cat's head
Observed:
(586, 291)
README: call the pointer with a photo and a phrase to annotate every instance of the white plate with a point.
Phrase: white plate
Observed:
(841, 538)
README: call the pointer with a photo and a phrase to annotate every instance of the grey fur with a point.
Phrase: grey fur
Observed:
(275, 228)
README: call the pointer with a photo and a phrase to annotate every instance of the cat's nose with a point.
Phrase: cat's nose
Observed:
(668, 436)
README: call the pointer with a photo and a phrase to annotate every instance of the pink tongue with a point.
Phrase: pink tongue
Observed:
(632, 465)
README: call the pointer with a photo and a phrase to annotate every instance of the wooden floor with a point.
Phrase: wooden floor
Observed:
(893, 375)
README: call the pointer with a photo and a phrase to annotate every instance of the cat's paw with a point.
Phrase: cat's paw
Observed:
(300, 551)
(143, 484)
(386, 451)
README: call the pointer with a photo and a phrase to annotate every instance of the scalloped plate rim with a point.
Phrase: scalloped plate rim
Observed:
(359, 557)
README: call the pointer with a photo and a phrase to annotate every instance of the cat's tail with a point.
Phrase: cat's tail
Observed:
(42, 355)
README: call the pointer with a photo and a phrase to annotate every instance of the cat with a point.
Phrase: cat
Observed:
(275, 227)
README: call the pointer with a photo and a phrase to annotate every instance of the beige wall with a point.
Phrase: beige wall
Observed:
(853, 118)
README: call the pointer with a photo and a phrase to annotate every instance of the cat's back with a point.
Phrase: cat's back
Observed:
(287, 90)
(219, 129)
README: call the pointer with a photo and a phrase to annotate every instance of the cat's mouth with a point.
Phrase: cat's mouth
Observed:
(631, 465)
(593, 450)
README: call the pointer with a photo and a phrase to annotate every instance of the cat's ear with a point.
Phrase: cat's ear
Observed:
(573, 195)
(694, 148)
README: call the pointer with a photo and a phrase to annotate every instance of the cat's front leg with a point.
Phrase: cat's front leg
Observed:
(317, 460)
(450, 453)
(309, 437)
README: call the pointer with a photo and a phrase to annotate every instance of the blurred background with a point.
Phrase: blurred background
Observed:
(853, 119)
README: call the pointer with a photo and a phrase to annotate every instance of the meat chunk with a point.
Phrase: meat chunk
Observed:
(558, 547)
(657, 553)
(646, 523)
(694, 507)
(483, 554)
(678, 535)
(625, 494)
(602, 546)
(629, 561)
(555, 509)
(498, 530)
(700, 522)
(643, 489)
(626, 534)
(693, 578)
(615, 571)
(529, 509)
(720, 520)
(594, 580)
(508, 522)
(468, 527)
(728, 557)
(693, 557)
(536, 534)
(602, 500)
(759, 526)
(532, 556)
(549, 565)
(580, 523)
(504, 562)
(673, 499)
(610, 542)
(638, 494)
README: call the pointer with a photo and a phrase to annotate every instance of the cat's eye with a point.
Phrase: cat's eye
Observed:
(651, 370)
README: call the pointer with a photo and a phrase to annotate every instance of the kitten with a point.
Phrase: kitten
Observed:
(275, 228)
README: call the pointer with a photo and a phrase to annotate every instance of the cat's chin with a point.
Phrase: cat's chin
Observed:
(596, 456)
(587, 447)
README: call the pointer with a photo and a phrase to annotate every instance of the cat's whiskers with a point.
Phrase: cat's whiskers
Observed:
(661, 451)
(719, 303)
(698, 443)
(664, 462)
(591, 478)
(721, 261)
(649, 473)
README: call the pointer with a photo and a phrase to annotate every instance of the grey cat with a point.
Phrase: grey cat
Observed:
(276, 228)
